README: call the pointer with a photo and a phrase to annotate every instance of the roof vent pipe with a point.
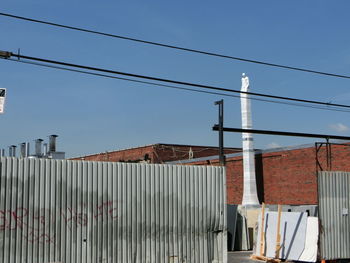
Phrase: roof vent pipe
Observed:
(45, 149)
(27, 149)
(13, 150)
(38, 143)
(23, 149)
(10, 151)
(52, 143)
(2, 152)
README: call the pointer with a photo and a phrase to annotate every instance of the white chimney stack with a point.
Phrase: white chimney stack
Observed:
(250, 196)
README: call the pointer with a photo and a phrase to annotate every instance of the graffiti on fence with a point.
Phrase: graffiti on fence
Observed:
(36, 226)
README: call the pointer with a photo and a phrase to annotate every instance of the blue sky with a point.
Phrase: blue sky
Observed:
(92, 114)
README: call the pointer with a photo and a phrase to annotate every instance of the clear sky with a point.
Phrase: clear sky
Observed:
(93, 114)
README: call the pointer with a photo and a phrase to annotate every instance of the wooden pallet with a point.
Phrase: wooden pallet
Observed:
(265, 259)
(261, 257)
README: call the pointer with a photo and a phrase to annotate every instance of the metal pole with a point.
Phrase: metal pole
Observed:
(221, 131)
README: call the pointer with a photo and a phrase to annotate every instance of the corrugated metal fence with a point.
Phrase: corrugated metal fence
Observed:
(334, 203)
(93, 212)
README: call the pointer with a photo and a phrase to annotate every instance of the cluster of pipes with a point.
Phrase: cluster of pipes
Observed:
(41, 150)
(250, 196)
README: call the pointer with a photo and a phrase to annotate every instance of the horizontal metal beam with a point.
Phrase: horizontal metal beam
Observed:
(282, 133)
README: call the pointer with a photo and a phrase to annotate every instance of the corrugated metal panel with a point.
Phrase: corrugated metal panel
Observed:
(77, 211)
(334, 203)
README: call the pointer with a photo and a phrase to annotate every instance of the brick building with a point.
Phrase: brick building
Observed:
(157, 153)
(284, 175)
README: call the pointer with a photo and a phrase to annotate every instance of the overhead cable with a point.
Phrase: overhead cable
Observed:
(176, 87)
(19, 56)
(178, 47)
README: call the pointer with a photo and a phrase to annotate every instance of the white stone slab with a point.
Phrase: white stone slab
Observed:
(293, 234)
(310, 251)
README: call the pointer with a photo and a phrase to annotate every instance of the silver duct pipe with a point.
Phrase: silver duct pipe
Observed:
(13, 150)
(45, 149)
(250, 196)
(10, 151)
(38, 143)
(52, 143)
(2, 152)
(27, 149)
(23, 149)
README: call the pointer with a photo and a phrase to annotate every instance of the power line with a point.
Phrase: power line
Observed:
(175, 87)
(6, 55)
(177, 47)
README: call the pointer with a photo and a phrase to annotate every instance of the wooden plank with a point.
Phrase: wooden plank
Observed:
(261, 258)
(262, 235)
(273, 260)
(278, 238)
(265, 259)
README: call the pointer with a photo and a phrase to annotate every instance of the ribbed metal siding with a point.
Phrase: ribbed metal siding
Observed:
(77, 211)
(334, 204)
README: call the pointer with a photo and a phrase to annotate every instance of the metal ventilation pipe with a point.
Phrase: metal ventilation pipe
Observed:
(2, 152)
(45, 149)
(13, 150)
(23, 149)
(10, 151)
(52, 143)
(38, 143)
(27, 149)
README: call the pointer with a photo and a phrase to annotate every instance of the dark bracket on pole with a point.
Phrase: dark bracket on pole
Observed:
(221, 131)
(5, 54)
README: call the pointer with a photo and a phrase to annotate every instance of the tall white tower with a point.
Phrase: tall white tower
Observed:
(250, 196)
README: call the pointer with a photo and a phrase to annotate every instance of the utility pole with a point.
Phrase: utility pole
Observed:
(221, 131)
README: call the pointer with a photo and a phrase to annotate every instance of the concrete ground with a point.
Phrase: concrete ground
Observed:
(240, 257)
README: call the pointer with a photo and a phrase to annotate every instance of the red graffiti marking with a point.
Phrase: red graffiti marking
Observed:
(12, 219)
(42, 238)
(107, 209)
(38, 222)
(80, 219)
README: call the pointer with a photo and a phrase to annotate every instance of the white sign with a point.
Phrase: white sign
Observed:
(2, 100)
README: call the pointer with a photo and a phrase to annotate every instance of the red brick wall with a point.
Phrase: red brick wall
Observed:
(158, 153)
(284, 177)
(168, 153)
(127, 155)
